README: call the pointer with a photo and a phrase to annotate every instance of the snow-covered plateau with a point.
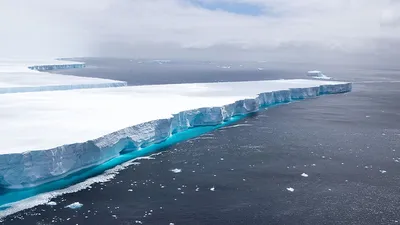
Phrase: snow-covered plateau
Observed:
(28, 76)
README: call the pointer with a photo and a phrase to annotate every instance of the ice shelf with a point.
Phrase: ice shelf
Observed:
(47, 135)
(28, 76)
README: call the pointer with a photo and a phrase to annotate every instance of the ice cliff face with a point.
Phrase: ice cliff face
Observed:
(41, 166)
(57, 67)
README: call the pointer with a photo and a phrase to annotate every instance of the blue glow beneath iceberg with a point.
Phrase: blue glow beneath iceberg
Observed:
(28, 169)
(9, 196)
(74, 163)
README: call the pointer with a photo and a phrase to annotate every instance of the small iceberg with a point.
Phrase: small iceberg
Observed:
(51, 203)
(316, 74)
(304, 175)
(290, 189)
(176, 170)
(75, 205)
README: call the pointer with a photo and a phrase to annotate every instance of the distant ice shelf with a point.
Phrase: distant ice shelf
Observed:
(47, 135)
(28, 76)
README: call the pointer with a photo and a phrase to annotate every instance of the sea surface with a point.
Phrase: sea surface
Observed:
(330, 160)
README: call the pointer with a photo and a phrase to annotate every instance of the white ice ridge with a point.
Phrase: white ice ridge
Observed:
(47, 135)
(28, 76)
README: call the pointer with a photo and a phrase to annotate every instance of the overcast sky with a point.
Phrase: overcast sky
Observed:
(224, 29)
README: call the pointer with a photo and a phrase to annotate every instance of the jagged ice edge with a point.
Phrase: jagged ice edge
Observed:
(33, 168)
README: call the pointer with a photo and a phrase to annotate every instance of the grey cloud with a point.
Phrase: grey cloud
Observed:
(306, 30)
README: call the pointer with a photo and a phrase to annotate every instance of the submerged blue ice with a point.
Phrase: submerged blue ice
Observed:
(63, 185)
(33, 168)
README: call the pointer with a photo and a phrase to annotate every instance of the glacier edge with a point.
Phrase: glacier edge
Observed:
(37, 71)
(32, 168)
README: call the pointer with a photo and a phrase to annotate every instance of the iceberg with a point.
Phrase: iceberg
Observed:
(48, 135)
(318, 75)
(75, 205)
(28, 76)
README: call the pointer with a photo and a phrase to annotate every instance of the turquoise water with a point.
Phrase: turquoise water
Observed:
(16, 195)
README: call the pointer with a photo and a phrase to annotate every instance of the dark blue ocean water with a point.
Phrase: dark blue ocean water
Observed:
(347, 146)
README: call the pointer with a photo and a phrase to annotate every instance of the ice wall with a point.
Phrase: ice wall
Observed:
(57, 67)
(36, 167)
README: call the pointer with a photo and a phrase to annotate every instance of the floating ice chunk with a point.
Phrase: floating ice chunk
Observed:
(176, 170)
(138, 222)
(75, 205)
(51, 203)
(290, 189)
(383, 171)
(212, 189)
(304, 175)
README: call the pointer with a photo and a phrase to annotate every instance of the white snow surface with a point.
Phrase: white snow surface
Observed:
(47, 135)
(24, 76)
